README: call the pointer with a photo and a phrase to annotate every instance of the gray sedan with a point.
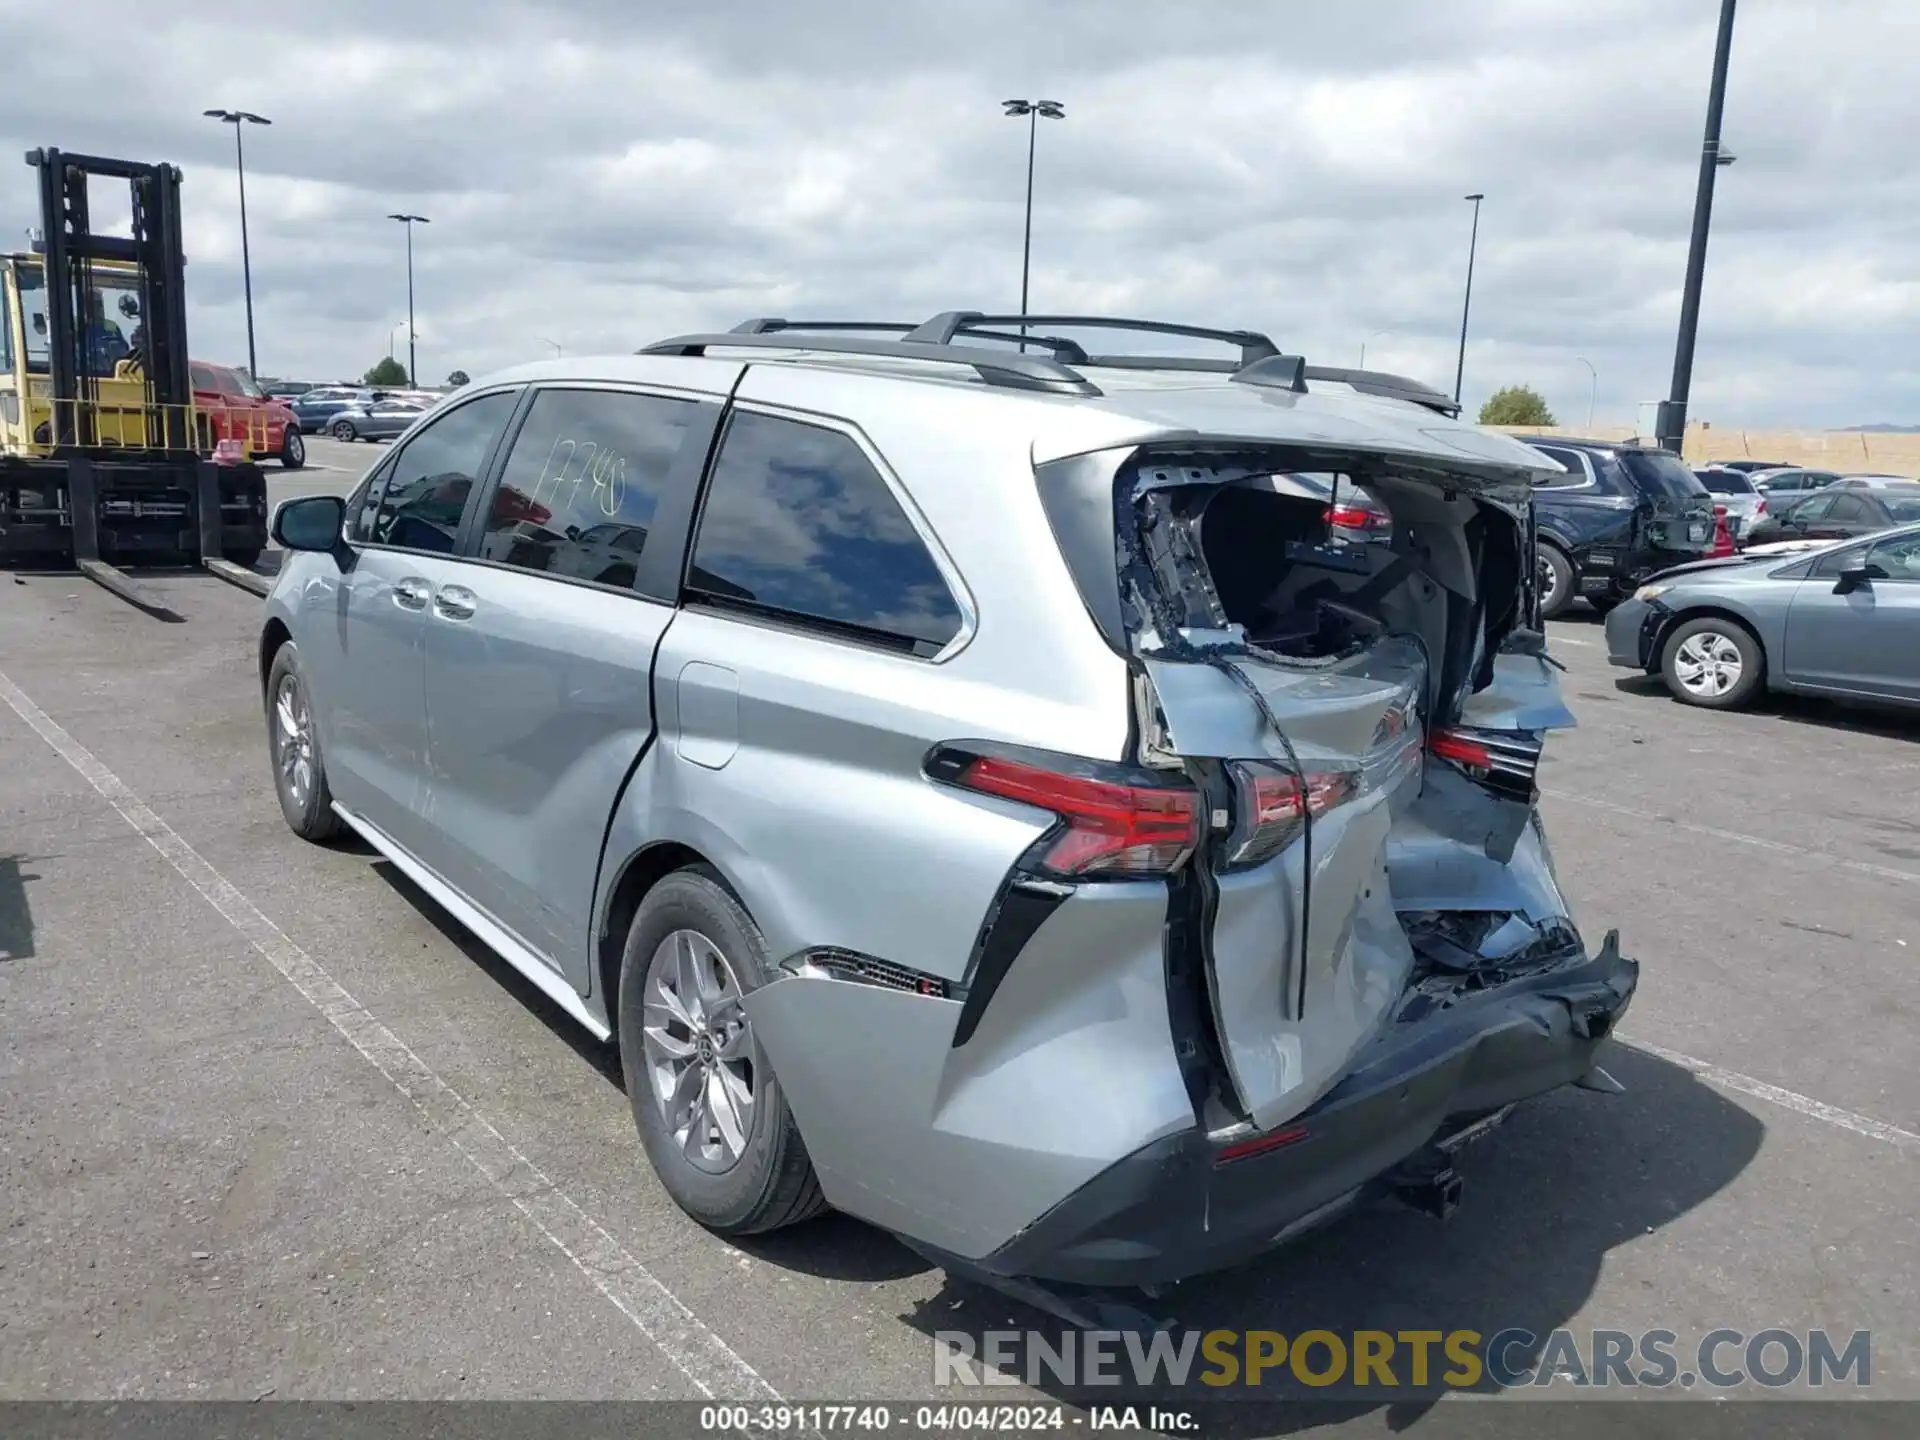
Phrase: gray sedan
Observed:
(380, 421)
(1842, 620)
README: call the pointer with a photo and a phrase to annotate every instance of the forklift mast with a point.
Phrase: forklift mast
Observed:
(71, 247)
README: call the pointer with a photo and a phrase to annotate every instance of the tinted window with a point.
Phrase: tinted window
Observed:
(1898, 557)
(797, 521)
(1576, 472)
(1903, 508)
(1725, 482)
(415, 500)
(585, 476)
(1810, 510)
(1661, 475)
(1851, 508)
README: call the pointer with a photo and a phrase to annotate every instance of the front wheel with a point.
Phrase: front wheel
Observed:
(293, 450)
(709, 1111)
(299, 772)
(1712, 662)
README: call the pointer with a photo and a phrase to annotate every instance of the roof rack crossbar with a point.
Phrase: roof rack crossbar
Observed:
(941, 329)
(1012, 372)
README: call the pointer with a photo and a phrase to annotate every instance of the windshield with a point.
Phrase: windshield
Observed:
(247, 386)
(1725, 482)
(1659, 473)
(110, 330)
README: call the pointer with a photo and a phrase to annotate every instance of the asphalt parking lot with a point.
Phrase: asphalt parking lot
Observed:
(274, 1126)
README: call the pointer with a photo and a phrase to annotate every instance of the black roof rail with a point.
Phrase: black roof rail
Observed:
(1012, 372)
(942, 329)
(1067, 352)
(1390, 387)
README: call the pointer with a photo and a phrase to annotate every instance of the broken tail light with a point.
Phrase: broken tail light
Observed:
(1112, 822)
(1504, 762)
(1272, 803)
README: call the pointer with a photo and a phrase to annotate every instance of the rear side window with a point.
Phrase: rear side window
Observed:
(1660, 475)
(1576, 472)
(415, 502)
(798, 523)
(581, 486)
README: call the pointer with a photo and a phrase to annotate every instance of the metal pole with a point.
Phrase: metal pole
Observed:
(1026, 246)
(1672, 425)
(1466, 304)
(246, 256)
(1593, 388)
(413, 361)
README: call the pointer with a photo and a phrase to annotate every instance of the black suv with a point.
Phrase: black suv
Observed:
(1620, 513)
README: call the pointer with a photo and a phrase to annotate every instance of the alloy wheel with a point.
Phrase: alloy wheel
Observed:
(293, 740)
(701, 1062)
(1707, 664)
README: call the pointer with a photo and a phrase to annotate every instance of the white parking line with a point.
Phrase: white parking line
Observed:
(1779, 847)
(695, 1351)
(1566, 640)
(1792, 1100)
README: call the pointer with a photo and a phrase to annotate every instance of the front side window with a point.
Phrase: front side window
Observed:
(416, 500)
(1850, 510)
(797, 523)
(580, 488)
(1897, 557)
(1809, 511)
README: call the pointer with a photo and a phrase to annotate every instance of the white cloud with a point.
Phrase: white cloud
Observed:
(601, 173)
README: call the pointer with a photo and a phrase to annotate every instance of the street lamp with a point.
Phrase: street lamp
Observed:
(557, 351)
(1672, 423)
(1460, 369)
(238, 118)
(393, 330)
(1593, 388)
(1034, 111)
(413, 364)
(1368, 341)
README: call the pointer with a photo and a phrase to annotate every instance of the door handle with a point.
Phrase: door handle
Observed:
(455, 602)
(411, 593)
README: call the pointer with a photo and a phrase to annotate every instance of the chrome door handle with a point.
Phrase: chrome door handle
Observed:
(455, 602)
(411, 593)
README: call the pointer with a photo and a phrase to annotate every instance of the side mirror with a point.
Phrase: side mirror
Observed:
(312, 522)
(1853, 576)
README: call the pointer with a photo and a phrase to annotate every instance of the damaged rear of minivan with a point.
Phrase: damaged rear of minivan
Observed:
(1368, 958)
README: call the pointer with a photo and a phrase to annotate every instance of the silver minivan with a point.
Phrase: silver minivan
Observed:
(977, 789)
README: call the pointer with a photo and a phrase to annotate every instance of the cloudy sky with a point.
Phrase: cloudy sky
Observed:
(600, 173)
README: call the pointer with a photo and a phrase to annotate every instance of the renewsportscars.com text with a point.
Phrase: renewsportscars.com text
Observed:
(1406, 1360)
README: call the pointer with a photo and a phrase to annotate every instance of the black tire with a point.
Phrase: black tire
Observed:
(1603, 604)
(1712, 662)
(771, 1183)
(309, 807)
(1557, 580)
(293, 450)
(344, 431)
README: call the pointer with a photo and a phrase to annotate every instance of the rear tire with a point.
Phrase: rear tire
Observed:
(1556, 580)
(293, 450)
(1712, 662)
(729, 1153)
(293, 743)
(344, 431)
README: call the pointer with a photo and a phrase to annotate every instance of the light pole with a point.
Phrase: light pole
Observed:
(1368, 341)
(1593, 388)
(238, 118)
(391, 331)
(557, 351)
(1672, 422)
(1034, 111)
(413, 364)
(1460, 368)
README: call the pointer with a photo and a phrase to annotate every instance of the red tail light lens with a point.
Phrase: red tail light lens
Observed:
(1259, 1145)
(1352, 517)
(1449, 745)
(1108, 828)
(1273, 805)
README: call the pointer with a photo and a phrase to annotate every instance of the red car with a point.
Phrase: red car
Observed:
(238, 409)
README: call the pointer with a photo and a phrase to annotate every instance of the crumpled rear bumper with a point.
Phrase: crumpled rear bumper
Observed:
(1176, 1208)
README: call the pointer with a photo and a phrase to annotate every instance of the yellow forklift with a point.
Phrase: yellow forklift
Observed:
(104, 460)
